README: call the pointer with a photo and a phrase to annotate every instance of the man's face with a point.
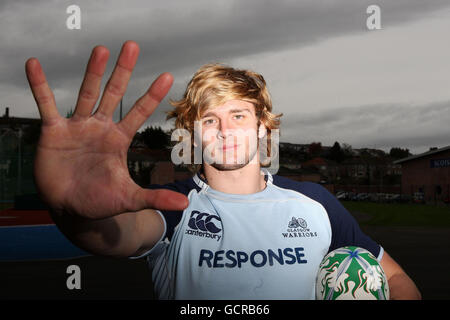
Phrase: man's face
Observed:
(230, 135)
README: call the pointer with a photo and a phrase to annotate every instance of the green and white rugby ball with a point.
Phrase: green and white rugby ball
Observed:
(351, 273)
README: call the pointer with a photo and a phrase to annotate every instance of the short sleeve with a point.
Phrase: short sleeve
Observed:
(156, 244)
(344, 227)
(173, 218)
(345, 230)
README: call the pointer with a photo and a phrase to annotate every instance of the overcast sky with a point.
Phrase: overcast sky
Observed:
(331, 77)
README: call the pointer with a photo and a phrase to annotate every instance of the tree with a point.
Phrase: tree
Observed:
(315, 149)
(154, 138)
(347, 149)
(398, 153)
(336, 153)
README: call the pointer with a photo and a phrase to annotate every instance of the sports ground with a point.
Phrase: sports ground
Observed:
(34, 256)
(417, 236)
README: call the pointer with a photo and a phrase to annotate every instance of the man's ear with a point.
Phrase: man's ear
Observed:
(262, 131)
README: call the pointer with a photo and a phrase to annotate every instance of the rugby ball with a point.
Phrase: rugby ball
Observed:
(351, 273)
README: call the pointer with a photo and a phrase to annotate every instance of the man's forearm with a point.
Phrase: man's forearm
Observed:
(115, 236)
(401, 287)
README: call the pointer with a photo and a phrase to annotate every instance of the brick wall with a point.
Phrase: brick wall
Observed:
(419, 176)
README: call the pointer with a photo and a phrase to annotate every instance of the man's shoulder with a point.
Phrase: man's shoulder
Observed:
(312, 190)
(305, 187)
(182, 186)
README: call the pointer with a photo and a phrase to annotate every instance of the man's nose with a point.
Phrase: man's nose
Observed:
(225, 128)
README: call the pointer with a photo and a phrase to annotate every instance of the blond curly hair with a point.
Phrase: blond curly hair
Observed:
(213, 85)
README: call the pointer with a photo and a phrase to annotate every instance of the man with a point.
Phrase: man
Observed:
(218, 235)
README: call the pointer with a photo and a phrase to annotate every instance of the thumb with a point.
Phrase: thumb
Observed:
(160, 199)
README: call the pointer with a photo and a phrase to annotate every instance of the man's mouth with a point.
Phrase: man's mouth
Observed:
(230, 147)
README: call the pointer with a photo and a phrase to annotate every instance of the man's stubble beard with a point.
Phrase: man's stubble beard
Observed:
(249, 158)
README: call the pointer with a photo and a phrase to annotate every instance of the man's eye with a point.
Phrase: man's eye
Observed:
(208, 121)
(239, 116)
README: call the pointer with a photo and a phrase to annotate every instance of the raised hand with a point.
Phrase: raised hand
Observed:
(81, 162)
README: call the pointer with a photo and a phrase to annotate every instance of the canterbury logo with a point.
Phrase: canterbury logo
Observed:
(204, 222)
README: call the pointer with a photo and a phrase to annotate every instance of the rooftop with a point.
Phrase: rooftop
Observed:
(428, 153)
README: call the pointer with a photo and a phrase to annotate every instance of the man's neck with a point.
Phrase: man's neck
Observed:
(246, 180)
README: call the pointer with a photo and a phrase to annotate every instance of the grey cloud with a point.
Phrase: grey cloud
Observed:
(175, 35)
(179, 36)
(384, 126)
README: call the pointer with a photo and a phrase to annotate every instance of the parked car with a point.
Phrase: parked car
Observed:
(342, 195)
(391, 197)
(351, 196)
(404, 198)
(418, 197)
(380, 197)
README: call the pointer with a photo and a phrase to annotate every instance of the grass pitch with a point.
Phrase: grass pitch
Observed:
(393, 214)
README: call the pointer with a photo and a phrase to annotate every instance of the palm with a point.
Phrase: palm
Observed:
(81, 162)
(88, 172)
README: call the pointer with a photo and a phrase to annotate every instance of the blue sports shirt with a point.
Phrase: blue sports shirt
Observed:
(266, 245)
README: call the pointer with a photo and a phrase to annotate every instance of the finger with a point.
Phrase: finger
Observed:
(42, 93)
(144, 107)
(117, 84)
(90, 88)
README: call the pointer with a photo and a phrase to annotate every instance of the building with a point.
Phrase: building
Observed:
(426, 176)
(18, 137)
(8, 123)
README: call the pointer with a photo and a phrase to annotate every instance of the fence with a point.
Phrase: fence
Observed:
(16, 167)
